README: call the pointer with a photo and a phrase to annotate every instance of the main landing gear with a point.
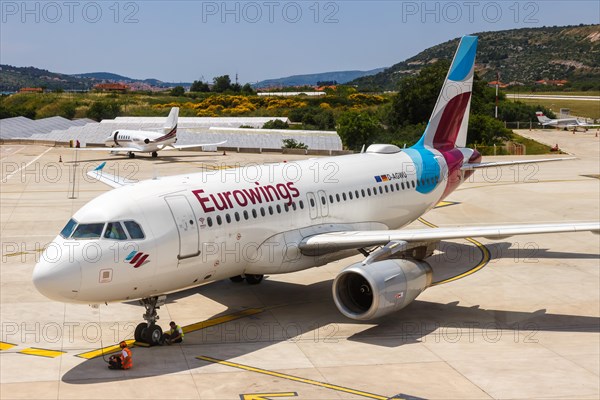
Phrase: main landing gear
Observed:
(131, 154)
(154, 154)
(250, 279)
(148, 332)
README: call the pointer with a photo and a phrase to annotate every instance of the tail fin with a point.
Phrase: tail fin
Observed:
(171, 124)
(541, 117)
(449, 121)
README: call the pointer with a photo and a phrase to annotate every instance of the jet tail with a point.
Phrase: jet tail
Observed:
(541, 117)
(448, 124)
(170, 126)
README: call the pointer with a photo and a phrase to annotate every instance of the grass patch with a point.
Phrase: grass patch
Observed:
(558, 93)
(580, 108)
(532, 147)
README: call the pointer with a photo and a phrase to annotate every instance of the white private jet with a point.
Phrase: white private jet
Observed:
(133, 142)
(565, 123)
(161, 236)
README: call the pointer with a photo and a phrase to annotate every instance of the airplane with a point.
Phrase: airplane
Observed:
(565, 123)
(161, 236)
(132, 142)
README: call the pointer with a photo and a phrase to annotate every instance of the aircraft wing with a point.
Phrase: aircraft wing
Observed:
(583, 125)
(335, 241)
(111, 149)
(190, 146)
(108, 179)
(472, 166)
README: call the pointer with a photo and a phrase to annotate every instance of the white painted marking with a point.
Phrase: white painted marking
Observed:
(26, 165)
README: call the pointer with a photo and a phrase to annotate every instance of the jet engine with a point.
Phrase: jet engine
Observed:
(146, 141)
(367, 291)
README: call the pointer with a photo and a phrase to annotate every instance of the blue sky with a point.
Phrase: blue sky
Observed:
(187, 40)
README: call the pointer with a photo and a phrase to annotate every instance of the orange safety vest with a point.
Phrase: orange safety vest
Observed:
(127, 361)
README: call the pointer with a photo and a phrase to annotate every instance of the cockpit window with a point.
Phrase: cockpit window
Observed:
(114, 230)
(88, 231)
(68, 229)
(134, 229)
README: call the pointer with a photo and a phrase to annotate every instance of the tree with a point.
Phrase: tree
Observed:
(417, 95)
(199, 86)
(177, 91)
(247, 89)
(293, 144)
(221, 84)
(357, 128)
(275, 124)
(100, 110)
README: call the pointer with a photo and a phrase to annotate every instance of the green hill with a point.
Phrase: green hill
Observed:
(521, 56)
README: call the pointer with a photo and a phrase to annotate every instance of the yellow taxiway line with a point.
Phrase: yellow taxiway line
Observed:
(6, 346)
(34, 351)
(294, 378)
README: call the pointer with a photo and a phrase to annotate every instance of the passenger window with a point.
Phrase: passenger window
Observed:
(387, 189)
(209, 221)
(337, 197)
(254, 214)
(356, 194)
(374, 191)
(344, 196)
(294, 206)
(278, 209)
(323, 200)
(68, 229)
(331, 199)
(219, 220)
(369, 191)
(402, 185)
(245, 215)
(237, 216)
(135, 231)
(362, 191)
(115, 231)
(301, 204)
(350, 195)
(312, 202)
(270, 210)
(286, 207)
(262, 211)
(88, 231)
(380, 190)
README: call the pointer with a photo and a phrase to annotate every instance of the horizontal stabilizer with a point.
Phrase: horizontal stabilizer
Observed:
(472, 166)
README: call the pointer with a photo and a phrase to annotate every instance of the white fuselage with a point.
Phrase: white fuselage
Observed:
(214, 225)
(142, 141)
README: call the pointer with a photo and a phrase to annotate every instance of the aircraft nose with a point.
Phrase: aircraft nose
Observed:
(59, 281)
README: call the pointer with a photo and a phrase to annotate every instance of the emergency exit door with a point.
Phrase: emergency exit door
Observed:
(187, 227)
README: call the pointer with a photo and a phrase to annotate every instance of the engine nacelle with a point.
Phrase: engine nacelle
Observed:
(365, 292)
(146, 140)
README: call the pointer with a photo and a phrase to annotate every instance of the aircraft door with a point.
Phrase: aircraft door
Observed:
(312, 205)
(187, 226)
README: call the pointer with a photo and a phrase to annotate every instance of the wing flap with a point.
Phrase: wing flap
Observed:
(336, 241)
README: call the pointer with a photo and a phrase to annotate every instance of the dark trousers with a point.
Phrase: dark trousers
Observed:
(115, 363)
(166, 337)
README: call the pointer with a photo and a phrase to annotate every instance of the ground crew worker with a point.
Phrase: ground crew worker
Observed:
(174, 335)
(123, 360)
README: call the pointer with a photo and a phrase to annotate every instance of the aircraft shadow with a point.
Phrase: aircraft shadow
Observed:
(164, 158)
(294, 311)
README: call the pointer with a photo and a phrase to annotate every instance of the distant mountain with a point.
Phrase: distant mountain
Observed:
(519, 55)
(340, 77)
(14, 78)
(110, 77)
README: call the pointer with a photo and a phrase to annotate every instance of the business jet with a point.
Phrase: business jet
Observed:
(160, 236)
(565, 123)
(132, 142)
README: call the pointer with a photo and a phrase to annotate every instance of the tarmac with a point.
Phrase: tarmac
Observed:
(522, 322)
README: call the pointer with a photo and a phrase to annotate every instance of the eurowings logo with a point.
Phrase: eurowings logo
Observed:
(137, 259)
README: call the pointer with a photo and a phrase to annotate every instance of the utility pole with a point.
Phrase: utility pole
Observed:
(497, 85)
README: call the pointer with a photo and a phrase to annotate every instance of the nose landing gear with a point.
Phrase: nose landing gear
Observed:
(148, 332)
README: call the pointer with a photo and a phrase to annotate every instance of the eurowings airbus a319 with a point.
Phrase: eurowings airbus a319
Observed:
(163, 235)
(131, 141)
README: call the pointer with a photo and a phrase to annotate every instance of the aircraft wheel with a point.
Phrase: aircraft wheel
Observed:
(131, 154)
(139, 331)
(154, 154)
(152, 335)
(254, 279)
(237, 278)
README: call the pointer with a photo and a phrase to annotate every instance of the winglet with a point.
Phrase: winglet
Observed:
(108, 179)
